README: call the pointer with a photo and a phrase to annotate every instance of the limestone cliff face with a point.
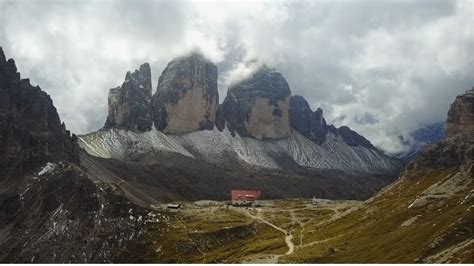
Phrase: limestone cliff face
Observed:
(130, 104)
(186, 99)
(461, 116)
(31, 132)
(259, 106)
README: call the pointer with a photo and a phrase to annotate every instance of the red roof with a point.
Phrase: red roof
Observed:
(245, 194)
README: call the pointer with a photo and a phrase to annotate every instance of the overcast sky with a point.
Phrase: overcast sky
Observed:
(382, 68)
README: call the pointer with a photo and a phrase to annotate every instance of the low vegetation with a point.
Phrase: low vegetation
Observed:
(413, 220)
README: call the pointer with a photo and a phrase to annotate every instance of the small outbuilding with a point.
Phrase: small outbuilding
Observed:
(173, 207)
(245, 197)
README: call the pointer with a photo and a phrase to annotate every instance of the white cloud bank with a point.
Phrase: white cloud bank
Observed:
(382, 68)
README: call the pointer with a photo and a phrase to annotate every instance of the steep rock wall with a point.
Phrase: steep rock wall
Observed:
(461, 116)
(130, 104)
(186, 99)
(258, 106)
(31, 132)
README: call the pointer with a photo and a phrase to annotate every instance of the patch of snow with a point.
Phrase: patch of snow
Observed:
(48, 168)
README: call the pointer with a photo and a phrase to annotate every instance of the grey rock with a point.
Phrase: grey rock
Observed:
(310, 124)
(352, 138)
(313, 125)
(31, 132)
(186, 99)
(258, 106)
(130, 104)
(460, 119)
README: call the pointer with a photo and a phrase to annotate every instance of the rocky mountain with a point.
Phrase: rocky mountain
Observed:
(130, 104)
(96, 198)
(260, 136)
(186, 99)
(259, 124)
(313, 125)
(310, 124)
(51, 208)
(460, 121)
(31, 132)
(258, 106)
(421, 138)
(461, 115)
(426, 216)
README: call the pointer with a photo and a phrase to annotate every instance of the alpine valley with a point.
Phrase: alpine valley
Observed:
(102, 197)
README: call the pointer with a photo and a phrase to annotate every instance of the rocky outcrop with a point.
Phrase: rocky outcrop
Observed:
(445, 154)
(258, 106)
(310, 124)
(461, 116)
(130, 104)
(459, 147)
(31, 132)
(186, 99)
(313, 125)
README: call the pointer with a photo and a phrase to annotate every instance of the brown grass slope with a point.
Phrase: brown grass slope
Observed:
(426, 216)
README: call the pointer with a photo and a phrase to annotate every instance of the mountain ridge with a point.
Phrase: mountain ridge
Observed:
(259, 107)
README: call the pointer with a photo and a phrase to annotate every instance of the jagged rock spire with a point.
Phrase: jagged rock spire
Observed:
(130, 104)
(310, 124)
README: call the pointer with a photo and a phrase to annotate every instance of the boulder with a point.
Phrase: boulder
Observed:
(186, 99)
(130, 104)
(258, 106)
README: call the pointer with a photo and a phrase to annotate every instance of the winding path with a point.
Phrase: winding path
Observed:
(288, 235)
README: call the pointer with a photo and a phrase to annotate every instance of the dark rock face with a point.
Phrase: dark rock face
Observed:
(58, 214)
(258, 106)
(461, 116)
(31, 132)
(310, 124)
(352, 138)
(64, 217)
(130, 104)
(313, 125)
(186, 99)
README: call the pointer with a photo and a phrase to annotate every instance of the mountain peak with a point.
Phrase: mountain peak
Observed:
(460, 119)
(31, 132)
(186, 99)
(130, 104)
(258, 106)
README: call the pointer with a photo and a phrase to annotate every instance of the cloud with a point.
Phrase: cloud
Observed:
(382, 68)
